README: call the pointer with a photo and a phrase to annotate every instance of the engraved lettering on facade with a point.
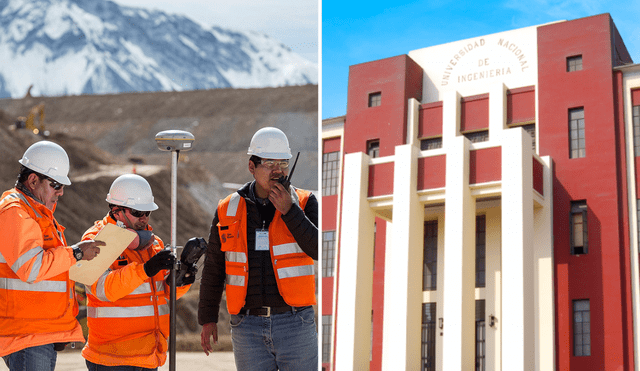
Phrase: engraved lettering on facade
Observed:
(457, 57)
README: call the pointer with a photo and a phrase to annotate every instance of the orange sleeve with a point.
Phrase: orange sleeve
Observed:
(21, 247)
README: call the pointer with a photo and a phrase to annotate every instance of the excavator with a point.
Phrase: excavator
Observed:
(28, 122)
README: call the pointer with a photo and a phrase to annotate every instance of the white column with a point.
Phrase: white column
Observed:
(355, 275)
(518, 330)
(450, 117)
(413, 120)
(497, 110)
(403, 268)
(543, 259)
(459, 261)
(493, 289)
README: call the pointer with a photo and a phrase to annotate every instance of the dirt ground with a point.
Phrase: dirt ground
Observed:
(192, 361)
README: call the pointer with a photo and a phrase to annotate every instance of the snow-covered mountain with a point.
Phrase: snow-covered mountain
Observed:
(68, 47)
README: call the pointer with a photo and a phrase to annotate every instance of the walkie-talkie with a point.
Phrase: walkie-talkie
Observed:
(286, 180)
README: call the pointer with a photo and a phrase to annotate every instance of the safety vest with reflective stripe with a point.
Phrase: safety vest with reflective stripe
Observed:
(293, 268)
(128, 312)
(37, 299)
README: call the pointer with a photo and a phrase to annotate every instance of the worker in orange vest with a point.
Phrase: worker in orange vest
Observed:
(128, 306)
(37, 298)
(262, 247)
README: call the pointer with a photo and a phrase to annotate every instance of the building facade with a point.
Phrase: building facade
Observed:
(480, 206)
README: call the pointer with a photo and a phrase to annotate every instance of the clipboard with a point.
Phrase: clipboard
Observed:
(116, 239)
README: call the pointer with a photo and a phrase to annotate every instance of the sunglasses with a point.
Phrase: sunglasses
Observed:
(138, 213)
(271, 164)
(55, 185)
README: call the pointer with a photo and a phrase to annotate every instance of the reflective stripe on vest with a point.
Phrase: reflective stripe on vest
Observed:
(42, 286)
(144, 288)
(235, 280)
(303, 270)
(233, 204)
(127, 312)
(21, 197)
(235, 257)
(287, 248)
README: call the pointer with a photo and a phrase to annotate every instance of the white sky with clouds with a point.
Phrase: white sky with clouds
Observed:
(292, 22)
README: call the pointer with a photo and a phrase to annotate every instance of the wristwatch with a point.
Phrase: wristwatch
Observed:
(77, 253)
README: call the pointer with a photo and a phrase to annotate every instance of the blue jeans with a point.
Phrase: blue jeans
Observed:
(285, 342)
(96, 367)
(40, 358)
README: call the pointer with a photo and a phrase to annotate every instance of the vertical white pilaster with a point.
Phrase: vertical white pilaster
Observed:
(493, 289)
(497, 110)
(450, 117)
(518, 321)
(543, 259)
(413, 121)
(403, 268)
(353, 317)
(459, 261)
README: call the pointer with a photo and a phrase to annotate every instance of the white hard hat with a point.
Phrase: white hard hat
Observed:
(270, 143)
(49, 159)
(132, 191)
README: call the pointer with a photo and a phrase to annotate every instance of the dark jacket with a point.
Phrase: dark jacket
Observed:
(262, 289)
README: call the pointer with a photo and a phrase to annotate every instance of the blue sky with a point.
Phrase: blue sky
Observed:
(356, 31)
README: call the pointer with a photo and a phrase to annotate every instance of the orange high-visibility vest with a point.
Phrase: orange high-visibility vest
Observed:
(293, 268)
(128, 312)
(37, 300)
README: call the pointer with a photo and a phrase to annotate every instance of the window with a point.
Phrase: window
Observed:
(481, 336)
(373, 148)
(375, 99)
(574, 63)
(579, 237)
(330, 173)
(576, 133)
(478, 136)
(581, 328)
(433, 143)
(328, 253)
(636, 130)
(428, 337)
(481, 247)
(430, 256)
(326, 339)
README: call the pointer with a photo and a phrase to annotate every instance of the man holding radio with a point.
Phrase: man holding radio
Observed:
(262, 247)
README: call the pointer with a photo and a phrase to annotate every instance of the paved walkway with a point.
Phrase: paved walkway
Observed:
(191, 361)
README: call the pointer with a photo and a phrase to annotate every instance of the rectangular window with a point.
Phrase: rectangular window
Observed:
(577, 147)
(430, 256)
(636, 130)
(326, 339)
(330, 173)
(373, 148)
(574, 63)
(481, 247)
(579, 235)
(481, 336)
(433, 143)
(328, 253)
(478, 136)
(375, 99)
(581, 328)
(428, 337)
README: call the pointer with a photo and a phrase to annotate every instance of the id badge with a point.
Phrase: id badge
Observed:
(262, 240)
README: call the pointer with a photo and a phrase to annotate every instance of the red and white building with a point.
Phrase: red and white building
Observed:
(480, 206)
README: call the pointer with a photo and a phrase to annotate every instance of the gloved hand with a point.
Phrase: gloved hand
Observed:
(187, 277)
(162, 260)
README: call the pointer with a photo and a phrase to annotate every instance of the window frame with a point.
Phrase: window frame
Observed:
(373, 148)
(579, 325)
(328, 254)
(375, 99)
(579, 207)
(577, 134)
(574, 63)
(330, 173)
